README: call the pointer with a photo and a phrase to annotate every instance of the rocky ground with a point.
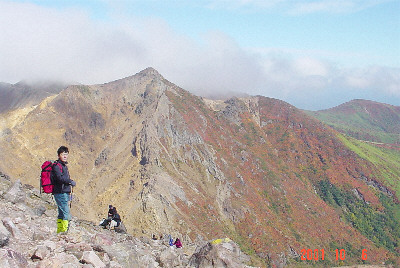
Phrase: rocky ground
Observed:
(28, 239)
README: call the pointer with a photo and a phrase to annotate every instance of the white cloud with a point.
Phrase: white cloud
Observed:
(298, 7)
(234, 4)
(385, 78)
(334, 6)
(67, 44)
(47, 43)
(308, 66)
(357, 82)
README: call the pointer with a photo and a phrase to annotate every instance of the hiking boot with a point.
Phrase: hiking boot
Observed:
(59, 226)
(62, 226)
(65, 224)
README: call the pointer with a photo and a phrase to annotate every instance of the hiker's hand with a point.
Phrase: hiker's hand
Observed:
(73, 183)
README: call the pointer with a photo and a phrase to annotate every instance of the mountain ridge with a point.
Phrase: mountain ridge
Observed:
(365, 120)
(24, 94)
(256, 169)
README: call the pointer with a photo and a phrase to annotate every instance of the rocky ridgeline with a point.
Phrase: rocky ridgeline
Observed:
(28, 239)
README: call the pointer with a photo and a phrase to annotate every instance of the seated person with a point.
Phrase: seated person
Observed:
(112, 216)
(110, 211)
(115, 219)
(178, 243)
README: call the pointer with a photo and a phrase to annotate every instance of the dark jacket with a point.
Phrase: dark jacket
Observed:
(116, 217)
(60, 179)
(110, 213)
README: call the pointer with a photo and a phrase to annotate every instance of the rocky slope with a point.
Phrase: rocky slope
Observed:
(255, 169)
(28, 239)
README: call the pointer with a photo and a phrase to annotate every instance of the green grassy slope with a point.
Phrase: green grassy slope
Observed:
(364, 120)
(365, 219)
(386, 161)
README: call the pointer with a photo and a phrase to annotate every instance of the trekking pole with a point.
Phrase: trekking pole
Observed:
(70, 202)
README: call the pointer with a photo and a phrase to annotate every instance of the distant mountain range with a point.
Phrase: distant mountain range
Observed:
(23, 94)
(364, 120)
(273, 178)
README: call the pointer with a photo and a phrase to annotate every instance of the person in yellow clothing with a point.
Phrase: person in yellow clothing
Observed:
(62, 187)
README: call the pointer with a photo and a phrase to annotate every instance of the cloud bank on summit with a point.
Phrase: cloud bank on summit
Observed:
(91, 44)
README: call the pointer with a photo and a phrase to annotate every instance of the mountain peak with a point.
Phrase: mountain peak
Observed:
(359, 103)
(147, 73)
(364, 120)
(150, 71)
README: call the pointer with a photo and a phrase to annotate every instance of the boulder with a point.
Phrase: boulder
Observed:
(62, 258)
(39, 211)
(39, 235)
(77, 249)
(50, 244)
(147, 261)
(114, 264)
(90, 257)
(122, 254)
(4, 235)
(170, 257)
(219, 253)
(9, 224)
(10, 258)
(15, 193)
(41, 252)
(102, 239)
(121, 228)
(70, 265)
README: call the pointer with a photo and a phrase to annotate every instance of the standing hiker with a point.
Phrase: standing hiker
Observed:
(62, 189)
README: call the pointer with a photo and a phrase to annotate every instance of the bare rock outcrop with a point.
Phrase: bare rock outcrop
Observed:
(219, 253)
(29, 239)
(4, 235)
(15, 194)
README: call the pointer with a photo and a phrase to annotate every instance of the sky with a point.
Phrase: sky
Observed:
(314, 54)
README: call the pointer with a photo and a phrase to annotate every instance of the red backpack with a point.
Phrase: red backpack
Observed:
(45, 176)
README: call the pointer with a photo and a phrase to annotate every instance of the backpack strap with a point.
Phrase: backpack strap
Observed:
(45, 168)
(52, 165)
(58, 164)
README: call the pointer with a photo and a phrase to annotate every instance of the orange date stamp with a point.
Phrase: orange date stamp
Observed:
(319, 254)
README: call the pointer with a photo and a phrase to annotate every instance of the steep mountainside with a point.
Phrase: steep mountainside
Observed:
(255, 169)
(364, 120)
(23, 94)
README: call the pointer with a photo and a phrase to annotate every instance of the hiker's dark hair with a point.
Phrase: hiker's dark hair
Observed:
(62, 149)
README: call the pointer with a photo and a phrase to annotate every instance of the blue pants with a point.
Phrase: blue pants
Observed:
(62, 204)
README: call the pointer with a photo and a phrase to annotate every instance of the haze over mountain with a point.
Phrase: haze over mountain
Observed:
(256, 169)
(25, 94)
